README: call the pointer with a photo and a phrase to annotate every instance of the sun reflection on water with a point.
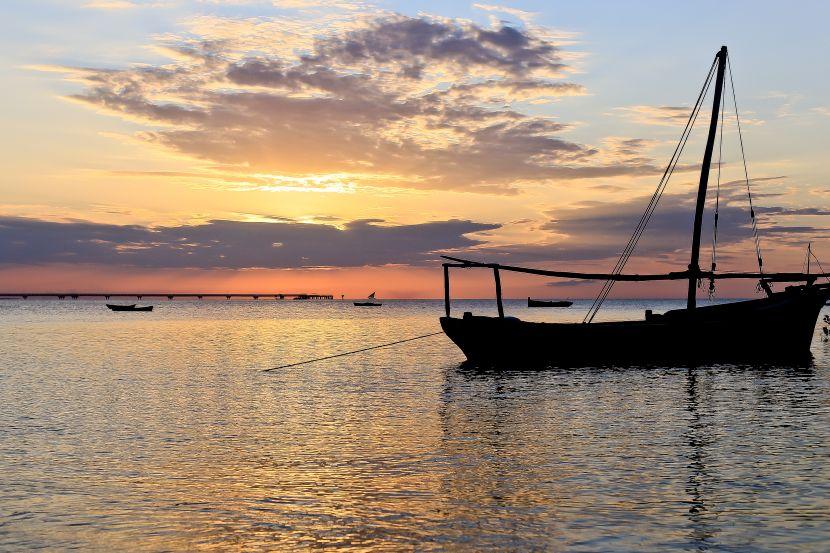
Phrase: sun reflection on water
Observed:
(159, 432)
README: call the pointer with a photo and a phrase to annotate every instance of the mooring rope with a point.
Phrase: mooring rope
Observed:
(717, 204)
(351, 352)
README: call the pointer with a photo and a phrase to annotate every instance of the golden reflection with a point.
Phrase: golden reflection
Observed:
(161, 430)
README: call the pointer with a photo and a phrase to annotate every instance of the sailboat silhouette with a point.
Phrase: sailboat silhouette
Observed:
(778, 326)
(369, 303)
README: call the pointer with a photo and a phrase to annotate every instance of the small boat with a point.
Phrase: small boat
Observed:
(548, 303)
(132, 307)
(369, 303)
(775, 327)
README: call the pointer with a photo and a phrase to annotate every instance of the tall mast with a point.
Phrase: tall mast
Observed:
(694, 265)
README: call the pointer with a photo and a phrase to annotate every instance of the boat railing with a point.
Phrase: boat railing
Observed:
(764, 279)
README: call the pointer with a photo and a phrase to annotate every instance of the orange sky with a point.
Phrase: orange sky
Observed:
(233, 146)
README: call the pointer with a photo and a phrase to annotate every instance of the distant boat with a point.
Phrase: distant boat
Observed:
(548, 303)
(370, 303)
(132, 307)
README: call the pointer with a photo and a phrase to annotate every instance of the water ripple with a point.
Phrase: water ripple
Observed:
(159, 433)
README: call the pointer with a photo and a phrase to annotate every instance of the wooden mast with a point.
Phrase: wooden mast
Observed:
(694, 265)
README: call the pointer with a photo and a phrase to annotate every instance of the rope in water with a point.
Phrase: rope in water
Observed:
(351, 352)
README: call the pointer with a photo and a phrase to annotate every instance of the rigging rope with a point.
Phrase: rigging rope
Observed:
(717, 205)
(819, 264)
(655, 199)
(746, 175)
(351, 352)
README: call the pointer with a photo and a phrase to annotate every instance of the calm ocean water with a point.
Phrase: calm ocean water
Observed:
(157, 431)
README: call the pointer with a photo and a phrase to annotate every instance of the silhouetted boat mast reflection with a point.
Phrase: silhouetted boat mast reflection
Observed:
(780, 325)
(699, 475)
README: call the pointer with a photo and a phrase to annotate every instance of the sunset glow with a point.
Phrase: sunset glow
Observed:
(342, 147)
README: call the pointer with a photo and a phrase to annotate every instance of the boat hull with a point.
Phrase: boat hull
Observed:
(778, 327)
(129, 308)
(547, 303)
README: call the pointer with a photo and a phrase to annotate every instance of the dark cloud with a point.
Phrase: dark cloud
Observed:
(412, 101)
(414, 42)
(232, 244)
(599, 230)
(793, 211)
(594, 232)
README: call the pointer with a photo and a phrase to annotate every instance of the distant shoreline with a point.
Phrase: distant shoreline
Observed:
(148, 297)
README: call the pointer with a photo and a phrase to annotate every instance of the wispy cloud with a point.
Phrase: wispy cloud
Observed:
(676, 115)
(521, 15)
(788, 102)
(657, 115)
(123, 4)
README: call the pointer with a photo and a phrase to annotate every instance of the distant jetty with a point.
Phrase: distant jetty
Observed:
(168, 295)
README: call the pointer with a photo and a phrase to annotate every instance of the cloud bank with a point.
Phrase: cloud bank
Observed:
(599, 230)
(231, 244)
(594, 232)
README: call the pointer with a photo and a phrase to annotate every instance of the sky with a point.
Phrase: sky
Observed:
(342, 147)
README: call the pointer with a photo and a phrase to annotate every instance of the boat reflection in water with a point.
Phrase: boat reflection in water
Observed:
(665, 453)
